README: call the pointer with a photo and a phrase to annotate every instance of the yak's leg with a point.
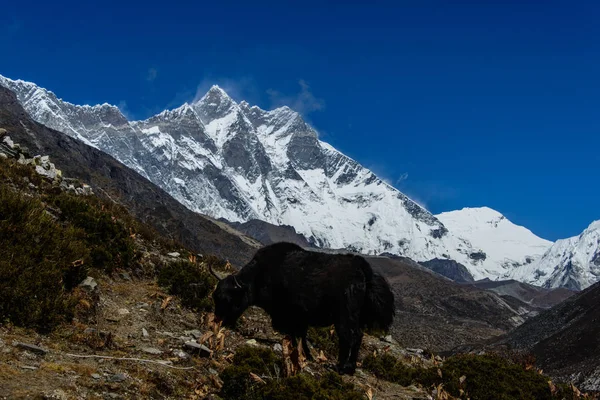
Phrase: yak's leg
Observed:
(304, 343)
(349, 331)
(354, 351)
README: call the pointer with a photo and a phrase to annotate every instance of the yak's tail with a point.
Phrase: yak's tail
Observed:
(379, 309)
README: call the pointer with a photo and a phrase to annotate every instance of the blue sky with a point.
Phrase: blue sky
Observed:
(481, 103)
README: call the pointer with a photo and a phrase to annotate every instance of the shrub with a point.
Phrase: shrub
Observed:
(322, 339)
(486, 377)
(237, 383)
(110, 242)
(190, 282)
(40, 262)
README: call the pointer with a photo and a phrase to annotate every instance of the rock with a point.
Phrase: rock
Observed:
(117, 378)
(151, 350)
(2, 155)
(123, 311)
(57, 394)
(202, 350)
(8, 141)
(195, 333)
(145, 333)
(96, 376)
(212, 371)
(89, 284)
(252, 342)
(3, 131)
(33, 348)
(389, 339)
(181, 354)
(278, 348)
(174, 254)
(125, 276)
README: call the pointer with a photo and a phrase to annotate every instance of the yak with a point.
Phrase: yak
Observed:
(299, 288)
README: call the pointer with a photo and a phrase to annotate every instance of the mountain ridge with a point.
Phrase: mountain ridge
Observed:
(240, 163)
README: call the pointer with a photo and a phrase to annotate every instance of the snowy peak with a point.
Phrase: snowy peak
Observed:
(215, 104)
(573, 263)
(500, 246)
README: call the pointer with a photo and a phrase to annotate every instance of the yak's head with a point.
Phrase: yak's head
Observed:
(231, 298)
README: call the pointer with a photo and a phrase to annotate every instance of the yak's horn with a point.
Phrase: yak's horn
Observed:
(210, 268)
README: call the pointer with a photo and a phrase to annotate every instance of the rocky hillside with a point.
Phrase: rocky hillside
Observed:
(113, 180)
(535, 296)
(565, 339)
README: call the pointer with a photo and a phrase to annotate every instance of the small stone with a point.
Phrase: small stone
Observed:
(195, 333)
(58, 394)
(186, 338)
(3, 131)
(252, 342)
(124, 275)
(1, 343)
(96, 376)
(199, 348)
(145, 333)
(278, 348)
(117, 378)
(212, 371)
(389, 339)
(32, 348)
(123, 311)
(151, 350)
(181, 354)
(2, 155)
(8, 142)
(438, 358)
(89, 284)
(174, 254)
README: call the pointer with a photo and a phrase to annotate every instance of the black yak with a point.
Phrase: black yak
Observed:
(300, 288)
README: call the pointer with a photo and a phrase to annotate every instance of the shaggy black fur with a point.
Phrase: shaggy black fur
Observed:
(300, 288)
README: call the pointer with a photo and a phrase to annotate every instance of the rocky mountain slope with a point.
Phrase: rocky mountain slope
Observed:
(566, 339)
(535, 296)
(110, 178)
(238, 162)
(573, 263)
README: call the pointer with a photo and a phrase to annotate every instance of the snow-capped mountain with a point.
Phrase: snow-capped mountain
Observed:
(573, 263)
(239, 162)
(503, 245)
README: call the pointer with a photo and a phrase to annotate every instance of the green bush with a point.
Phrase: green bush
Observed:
(110, 242)
(40, 262)
(322, 339)
(486, 377)
(237, 383)
(190, 282)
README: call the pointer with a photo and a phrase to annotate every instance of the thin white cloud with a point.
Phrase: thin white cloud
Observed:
(304, 102)
(152, 74)
(122, 106)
